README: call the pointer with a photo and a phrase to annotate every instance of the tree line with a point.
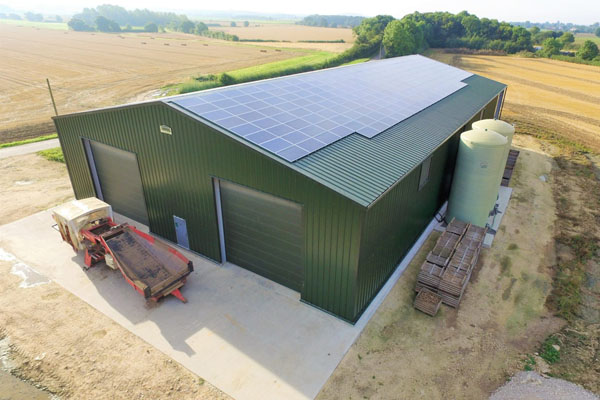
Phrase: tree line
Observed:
(560, 26)
(30, 16)
(111, 18)
(331, 21)
(418, 31)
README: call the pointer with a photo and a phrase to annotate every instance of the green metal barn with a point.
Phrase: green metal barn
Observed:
(320, 181)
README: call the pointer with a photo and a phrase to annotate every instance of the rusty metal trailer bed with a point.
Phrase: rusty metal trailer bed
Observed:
(150, 266)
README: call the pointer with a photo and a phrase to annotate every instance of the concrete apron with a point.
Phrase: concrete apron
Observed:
(247, 335)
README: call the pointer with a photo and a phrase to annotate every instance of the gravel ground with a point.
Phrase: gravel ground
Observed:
(532, 386)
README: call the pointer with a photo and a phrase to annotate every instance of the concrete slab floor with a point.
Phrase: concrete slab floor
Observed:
(495, 220)
(247, 335)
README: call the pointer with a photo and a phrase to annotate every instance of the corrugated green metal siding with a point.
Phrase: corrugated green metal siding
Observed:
(490, 110)
(177, 173)
(397, 219)
(362, 168)
(394, 222)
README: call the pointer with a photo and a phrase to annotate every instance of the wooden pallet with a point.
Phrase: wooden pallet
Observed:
(475, 232)
(427, 302)
(438, 260)
(457, 227)
(466, 255)
(430, 274)
(448, 267)
(510, 165)
(454, 282)
(445, 245)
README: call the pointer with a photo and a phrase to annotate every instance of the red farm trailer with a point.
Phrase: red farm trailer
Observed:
(150, 266)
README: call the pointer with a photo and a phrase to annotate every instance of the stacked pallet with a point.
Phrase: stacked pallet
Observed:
(448, 267)
(510, 165)
(428, 302)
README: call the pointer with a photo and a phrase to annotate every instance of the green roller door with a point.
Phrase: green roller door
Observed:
(118, 176)
(263, 234)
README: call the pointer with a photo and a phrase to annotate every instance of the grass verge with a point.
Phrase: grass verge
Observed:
(62, 26)
(270, 70)
(313, 61)
(54, 154)
(26, 141)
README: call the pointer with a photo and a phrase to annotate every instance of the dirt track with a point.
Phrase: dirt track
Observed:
(91, 70)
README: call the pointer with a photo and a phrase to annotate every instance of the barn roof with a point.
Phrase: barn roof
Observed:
(361, 166)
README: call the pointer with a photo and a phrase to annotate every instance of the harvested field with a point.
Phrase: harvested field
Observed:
(560, 97)
(289, 32)
(90, 70)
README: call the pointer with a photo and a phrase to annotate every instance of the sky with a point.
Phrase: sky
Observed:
(575, 11)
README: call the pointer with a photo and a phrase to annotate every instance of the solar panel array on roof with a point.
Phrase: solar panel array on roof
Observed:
(296, 115)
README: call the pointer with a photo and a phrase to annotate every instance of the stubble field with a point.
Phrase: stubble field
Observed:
(91, 70)
(287, 32)
(561, 97)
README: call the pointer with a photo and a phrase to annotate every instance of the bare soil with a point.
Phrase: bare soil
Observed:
(29, 184)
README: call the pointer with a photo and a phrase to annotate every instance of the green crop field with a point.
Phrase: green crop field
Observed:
(278, 68)
(582, 37)
(262, 71)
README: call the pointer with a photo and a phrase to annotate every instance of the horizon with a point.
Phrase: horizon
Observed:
(578, 12)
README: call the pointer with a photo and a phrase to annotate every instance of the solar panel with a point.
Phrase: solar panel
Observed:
(296, 115)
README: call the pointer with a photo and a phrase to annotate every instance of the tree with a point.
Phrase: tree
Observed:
(399, 39)
(551, 47)
(34, 17)
(151, 27)
(226, 79)
(597, 32)
(543, 35)
(187, 26)
(200, 27)
(534, 30)
(472, 25)
(566, 38)
(233, 24)
(58, 18)
(246, 24)
(104, 24)
(588, 51)
(371, 29)
(78, 25)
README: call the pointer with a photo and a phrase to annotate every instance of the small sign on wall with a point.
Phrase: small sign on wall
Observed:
(166, 130)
